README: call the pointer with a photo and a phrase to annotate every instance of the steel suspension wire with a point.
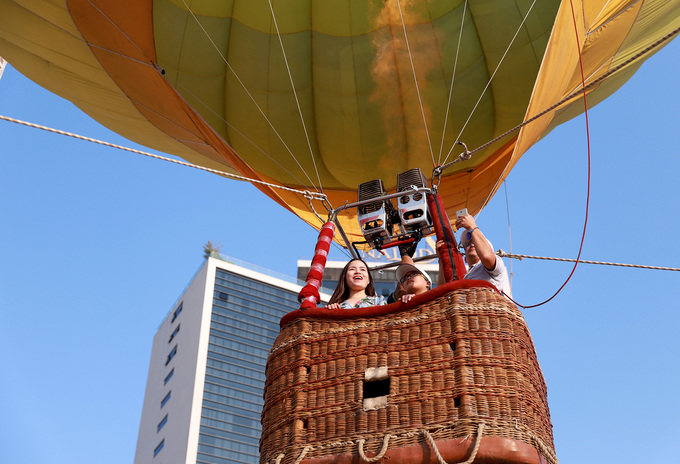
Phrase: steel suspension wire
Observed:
(305, 193)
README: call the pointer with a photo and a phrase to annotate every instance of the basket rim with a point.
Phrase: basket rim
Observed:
(375, 311)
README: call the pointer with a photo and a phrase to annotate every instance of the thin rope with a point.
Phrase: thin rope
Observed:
(297, 101)
(585, 222)
(311, 206)
(377, 457)
(478, 441)
(466, 154)
(415, 79)
(491, 79)
(155, 66)
(279, 457)
(604, 7)
(571, 95)
(305, 193)
(507, 210)
(249, 94)
(303, 454)
(503, 254)
(124, 34)
(453, 78)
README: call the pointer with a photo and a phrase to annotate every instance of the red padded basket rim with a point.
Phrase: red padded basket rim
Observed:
(375, 311)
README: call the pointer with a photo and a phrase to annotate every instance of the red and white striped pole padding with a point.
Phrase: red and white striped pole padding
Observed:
(309, 295)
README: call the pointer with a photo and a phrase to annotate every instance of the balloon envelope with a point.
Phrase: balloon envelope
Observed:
(317, 95)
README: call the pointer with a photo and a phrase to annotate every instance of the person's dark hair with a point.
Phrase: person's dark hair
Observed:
(341, 292)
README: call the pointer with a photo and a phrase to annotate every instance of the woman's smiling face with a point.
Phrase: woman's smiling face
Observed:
(357, 276)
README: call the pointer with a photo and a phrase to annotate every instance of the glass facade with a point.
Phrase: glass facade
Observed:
(244, 324)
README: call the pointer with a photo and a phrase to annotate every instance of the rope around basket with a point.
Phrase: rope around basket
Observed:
(386, 439)
(303, 454)
(383, 450)
(433, 444)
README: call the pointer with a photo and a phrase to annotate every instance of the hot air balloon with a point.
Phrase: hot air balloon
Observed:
(321, 97)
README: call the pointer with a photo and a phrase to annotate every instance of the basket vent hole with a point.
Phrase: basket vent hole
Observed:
(308, 369)
(456, 402)
(376, 388)
(453, 346)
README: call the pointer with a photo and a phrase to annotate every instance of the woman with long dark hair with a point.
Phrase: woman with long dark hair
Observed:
(355, 288)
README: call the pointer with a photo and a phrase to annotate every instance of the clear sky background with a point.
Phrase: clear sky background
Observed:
(97, 244)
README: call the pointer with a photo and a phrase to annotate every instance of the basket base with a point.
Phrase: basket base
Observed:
(492, 450)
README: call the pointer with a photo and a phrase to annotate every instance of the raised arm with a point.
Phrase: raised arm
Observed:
(482, 247)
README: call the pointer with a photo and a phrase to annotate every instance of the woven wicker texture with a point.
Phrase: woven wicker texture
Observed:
(463, 358)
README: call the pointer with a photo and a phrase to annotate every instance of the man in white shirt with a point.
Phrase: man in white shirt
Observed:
(480, 257)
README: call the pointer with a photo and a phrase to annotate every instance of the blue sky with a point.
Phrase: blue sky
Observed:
(97, 244)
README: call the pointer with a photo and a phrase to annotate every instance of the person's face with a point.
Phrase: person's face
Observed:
(471, 253)
(357, 277)
(415, 283)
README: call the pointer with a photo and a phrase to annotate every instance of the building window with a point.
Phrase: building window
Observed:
(166, 399)
(162, 423)
(174, 332)
(171, 355)
(169, 376)
(159, 448)
(177, 311)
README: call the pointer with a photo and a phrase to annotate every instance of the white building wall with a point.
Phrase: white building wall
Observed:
(186, 385)
(181, 432)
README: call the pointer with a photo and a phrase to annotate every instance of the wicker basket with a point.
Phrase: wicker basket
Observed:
(430, 381)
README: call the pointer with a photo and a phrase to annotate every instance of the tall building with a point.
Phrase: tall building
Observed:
(204, 389)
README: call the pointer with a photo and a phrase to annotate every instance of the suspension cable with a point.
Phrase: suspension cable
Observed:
(297, 101)
(585, 222)
(453, 78)
(519, 28)
(571, 95)
(178, 84)
(415, 80)
(305, 193)
(503, 254)
(155, 65)
(507, 210)
(252, 99)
